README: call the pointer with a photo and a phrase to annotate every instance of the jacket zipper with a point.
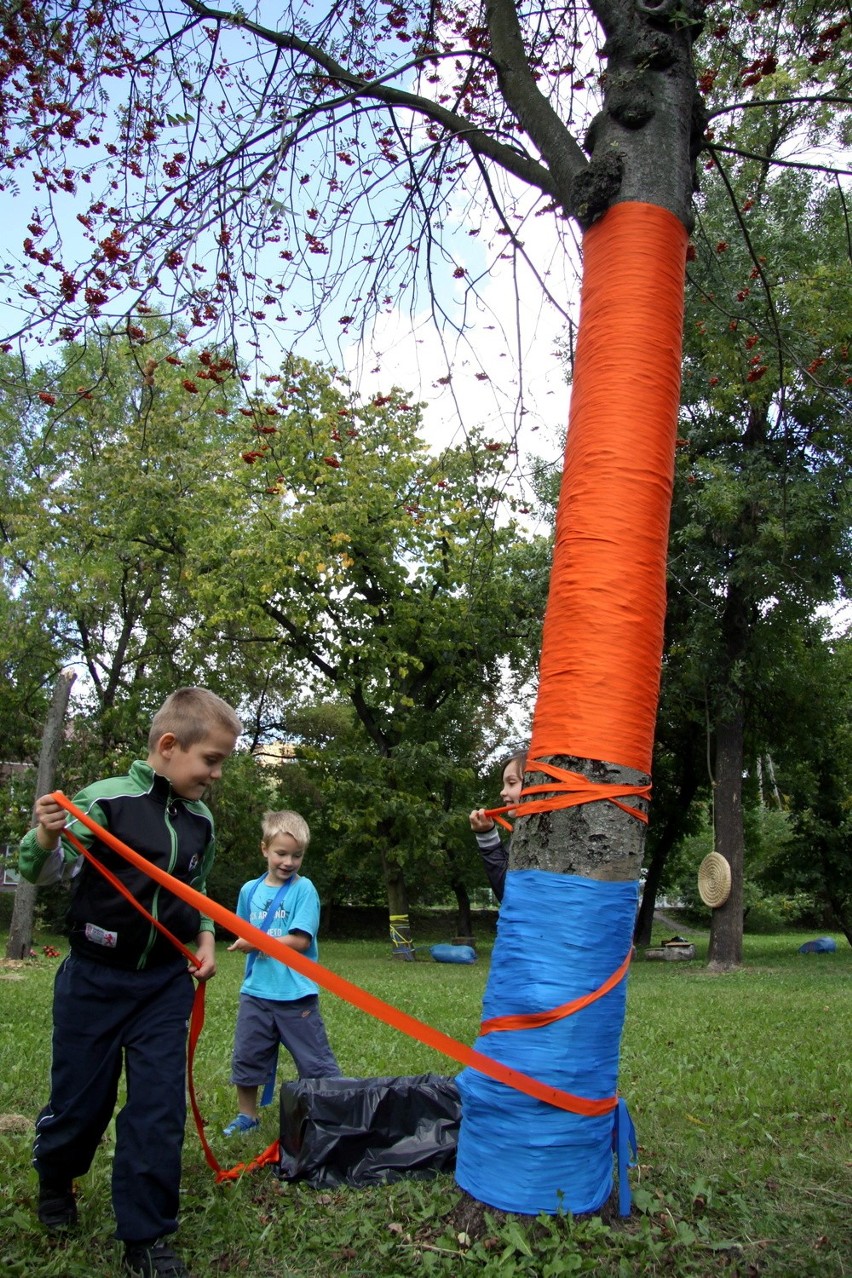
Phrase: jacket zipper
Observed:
(152, 931)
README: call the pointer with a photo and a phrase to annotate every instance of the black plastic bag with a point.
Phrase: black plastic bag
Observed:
(368, 1131)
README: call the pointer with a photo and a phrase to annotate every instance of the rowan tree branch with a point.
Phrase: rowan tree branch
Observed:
(563, 154)
(774, 160)
(804, 100)
(509, 158)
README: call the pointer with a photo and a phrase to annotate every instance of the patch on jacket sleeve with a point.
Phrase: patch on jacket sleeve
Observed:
(100, 936)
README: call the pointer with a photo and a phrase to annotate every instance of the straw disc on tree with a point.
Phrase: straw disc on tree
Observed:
(714, 880)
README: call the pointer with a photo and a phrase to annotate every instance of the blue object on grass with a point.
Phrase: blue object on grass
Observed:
(559, 937)
(453, 953)
(822, 945)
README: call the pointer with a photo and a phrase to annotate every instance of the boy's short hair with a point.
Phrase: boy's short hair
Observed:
(190, 713)
(286, 822)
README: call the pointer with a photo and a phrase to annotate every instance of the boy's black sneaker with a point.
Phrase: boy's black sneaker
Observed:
(153, 1260)
(57, 1208)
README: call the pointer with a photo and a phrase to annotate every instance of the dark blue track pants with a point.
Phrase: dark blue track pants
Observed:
(104, 1017)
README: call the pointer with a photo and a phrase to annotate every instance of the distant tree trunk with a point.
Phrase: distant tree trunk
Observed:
(464, 920)
(726, 925)
(667, 838)
(21, 928)
(647, 905)
(839, 900)
(400, 926)
(738, 620)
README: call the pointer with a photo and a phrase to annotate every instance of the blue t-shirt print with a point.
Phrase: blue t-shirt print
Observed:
(264, 917)
(297, 910)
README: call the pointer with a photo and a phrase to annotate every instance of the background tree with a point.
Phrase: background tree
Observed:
(380, 572)
(681, 784)
(798, 690)
(814, 774)
(27, 661)
(21, 926)
(107, 472)
(332, 773)
(150, 549)
(761, 520)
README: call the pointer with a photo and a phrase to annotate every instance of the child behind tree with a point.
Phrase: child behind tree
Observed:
(494, 850)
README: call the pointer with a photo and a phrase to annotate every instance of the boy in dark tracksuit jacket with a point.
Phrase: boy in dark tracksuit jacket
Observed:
(123, 994)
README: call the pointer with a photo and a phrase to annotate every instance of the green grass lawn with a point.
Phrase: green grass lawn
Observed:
(739, 1086)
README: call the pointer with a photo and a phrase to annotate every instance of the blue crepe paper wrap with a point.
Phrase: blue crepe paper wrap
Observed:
(558, 937)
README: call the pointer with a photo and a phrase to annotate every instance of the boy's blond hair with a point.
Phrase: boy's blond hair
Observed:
(190, 713)
(286, 822)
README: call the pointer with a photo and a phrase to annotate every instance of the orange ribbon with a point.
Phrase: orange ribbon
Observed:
(344, 989)
(535, 1020)
(571, 790)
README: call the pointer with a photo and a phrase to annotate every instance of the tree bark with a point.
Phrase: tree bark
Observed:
(464, 920)
(400, 926)
(21, 927)
(667, 839)
(595, 840)
(726, 926)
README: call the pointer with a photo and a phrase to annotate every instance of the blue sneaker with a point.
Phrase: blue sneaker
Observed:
(242, 1123)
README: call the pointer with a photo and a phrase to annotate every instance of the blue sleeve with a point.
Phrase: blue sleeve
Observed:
(244, 901)
(304, 914)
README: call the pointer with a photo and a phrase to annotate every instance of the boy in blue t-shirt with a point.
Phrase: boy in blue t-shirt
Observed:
(278, 1004)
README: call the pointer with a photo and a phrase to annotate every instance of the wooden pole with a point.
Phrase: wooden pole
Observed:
(21, 928)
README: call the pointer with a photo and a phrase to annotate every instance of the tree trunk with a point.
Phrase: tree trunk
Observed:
(648, 903)
(726, 926)
(838, 900)
(464, 921)
(20, 938)
(738, 618)
(566, 922)
(21, 928)
(667, 839)
(400, 926)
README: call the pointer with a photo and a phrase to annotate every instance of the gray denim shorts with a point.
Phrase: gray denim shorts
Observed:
(263, 1023)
